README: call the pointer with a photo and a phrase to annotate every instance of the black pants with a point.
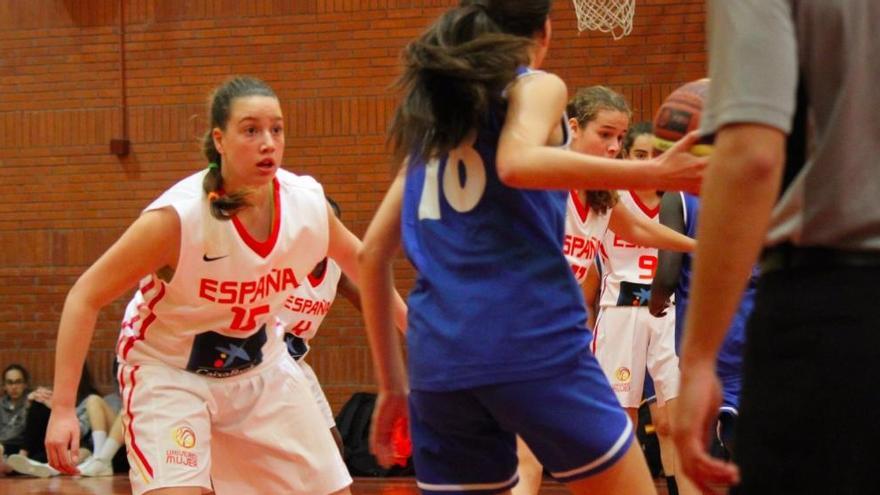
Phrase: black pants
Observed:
(810, 409)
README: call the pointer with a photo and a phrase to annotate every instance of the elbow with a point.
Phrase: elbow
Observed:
(508, 163)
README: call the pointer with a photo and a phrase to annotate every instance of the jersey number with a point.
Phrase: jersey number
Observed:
(245, 319)
(648, 265)
(464, 181)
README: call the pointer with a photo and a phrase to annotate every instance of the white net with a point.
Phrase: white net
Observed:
(607, 16)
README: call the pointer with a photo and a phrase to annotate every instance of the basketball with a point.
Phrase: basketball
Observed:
(680, 114)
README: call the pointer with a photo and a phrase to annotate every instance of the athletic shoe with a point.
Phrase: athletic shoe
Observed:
(95, 467)
(28, 467)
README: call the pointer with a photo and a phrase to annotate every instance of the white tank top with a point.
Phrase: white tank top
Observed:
(584, 229)
(216, 316)
(305, 308)
(628, 269)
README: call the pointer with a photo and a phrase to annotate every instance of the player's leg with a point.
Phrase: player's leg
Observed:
(529, 469)
(594, 456)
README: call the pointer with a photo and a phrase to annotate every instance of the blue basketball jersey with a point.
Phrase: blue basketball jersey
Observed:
(494, 298)
(730, 354)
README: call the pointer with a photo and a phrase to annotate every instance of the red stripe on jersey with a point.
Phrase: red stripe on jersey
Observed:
(147, 321)
(263, 248)
(583, 211)
(133, 442)
(651, 212)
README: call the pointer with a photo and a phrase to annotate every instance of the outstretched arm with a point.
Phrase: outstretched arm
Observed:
(152, 241)
(668, 262)
(536, 104)
(381, 243)
(640, 230)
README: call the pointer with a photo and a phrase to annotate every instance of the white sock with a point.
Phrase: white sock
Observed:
(98, 439)
(108, 450)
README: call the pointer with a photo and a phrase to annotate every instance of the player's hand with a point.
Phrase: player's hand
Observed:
(62, 440)
(680, 170)
(697, 412)
(658, 308)
(391, 409)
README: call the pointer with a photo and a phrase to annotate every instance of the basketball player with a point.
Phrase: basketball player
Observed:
(303, 312)
(812, 352)
(212, 400)
(599, 118)
(488, 346)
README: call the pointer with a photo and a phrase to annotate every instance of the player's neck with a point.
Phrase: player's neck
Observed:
(649, 197)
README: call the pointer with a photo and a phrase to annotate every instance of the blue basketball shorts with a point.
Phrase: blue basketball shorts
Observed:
(464, 441)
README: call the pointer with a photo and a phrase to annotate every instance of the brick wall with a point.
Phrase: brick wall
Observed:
(66, 197)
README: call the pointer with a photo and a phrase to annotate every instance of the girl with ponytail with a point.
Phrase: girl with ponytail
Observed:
(213, 400)
(496, 337)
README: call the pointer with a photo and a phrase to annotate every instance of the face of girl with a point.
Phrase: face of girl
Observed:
(252, 144)
(642, 147)
(601, 136)
(14, 384)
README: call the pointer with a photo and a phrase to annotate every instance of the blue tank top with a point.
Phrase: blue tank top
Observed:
(494, 299)
(730, 353)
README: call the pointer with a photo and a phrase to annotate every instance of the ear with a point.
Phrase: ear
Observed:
(574, 126)
(217, 134)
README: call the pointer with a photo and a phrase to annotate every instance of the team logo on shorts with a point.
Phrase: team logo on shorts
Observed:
(184, 436)
(622, 374)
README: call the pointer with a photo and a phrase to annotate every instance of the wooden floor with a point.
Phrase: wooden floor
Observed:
(118, 485)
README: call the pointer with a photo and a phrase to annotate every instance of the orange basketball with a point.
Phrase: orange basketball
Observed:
(680, 114)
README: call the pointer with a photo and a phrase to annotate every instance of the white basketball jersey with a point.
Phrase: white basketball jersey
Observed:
(626, 263)
(216, 316)
(584, 229)
(306, 306)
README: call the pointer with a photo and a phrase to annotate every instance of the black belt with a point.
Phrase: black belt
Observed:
(789, 256)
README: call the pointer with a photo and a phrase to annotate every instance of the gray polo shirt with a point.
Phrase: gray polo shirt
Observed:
(757, 51)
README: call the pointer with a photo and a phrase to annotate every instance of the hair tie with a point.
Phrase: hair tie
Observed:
(213, 166)
(213, 196)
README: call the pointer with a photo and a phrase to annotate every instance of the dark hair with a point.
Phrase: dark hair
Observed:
(86, 387)
(634, 132)
(20, 369)
(223, 205)
(587, 102)
(602, 201)
(457, 69)
(334, 205)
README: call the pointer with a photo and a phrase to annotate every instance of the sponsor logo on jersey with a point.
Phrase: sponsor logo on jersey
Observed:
(633, 294)
(209, 259)
(184, 436)
(238, 292)
(220, 356)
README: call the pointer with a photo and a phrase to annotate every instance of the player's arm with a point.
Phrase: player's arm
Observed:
(668, 262)
(153, 240)
(381, 243)
(536, 104)
(590, 288)
(343, 249)
(639, 230)
(738, 197)
(349, 291)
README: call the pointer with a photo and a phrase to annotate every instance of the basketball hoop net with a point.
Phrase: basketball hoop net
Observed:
(608, 16)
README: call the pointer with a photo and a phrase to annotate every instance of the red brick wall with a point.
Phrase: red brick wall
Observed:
(66, 197)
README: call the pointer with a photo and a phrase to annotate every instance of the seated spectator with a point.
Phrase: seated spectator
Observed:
(13, 410)
(95, 420)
